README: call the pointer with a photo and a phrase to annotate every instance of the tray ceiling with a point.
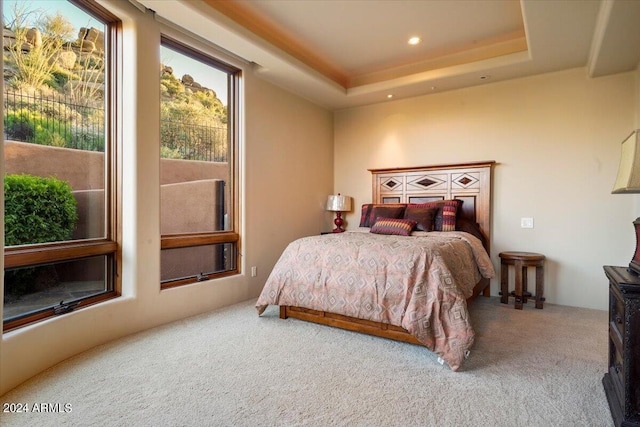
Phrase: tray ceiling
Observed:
(355, 52)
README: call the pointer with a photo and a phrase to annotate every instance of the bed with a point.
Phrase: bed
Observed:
(418, 257)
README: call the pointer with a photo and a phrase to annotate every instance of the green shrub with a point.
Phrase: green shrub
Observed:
(169, 153)
(88, 141)
(59, 79)
(18, 126)
(19, 130)
(25, 125)
(171, 85)
(37, 210)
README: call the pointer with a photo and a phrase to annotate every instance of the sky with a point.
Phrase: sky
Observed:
(205, 75)
(202, 73)
(75, 15)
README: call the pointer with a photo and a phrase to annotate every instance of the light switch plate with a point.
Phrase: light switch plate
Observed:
(526, 222)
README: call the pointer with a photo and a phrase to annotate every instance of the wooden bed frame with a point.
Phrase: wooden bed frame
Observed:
(469, 182)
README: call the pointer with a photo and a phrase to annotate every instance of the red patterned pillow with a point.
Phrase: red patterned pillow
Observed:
(445, 219)
(394, 226)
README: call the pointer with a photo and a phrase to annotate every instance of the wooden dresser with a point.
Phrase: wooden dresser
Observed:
(622, 381)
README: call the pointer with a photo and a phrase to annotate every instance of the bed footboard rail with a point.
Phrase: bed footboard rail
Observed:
(383, 330)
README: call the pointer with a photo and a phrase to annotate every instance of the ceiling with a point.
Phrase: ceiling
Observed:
(347, 53)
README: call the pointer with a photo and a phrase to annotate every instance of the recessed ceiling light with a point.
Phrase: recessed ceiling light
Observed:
(390, 96)
(414, 40)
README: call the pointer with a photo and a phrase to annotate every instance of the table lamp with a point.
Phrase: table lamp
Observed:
(628, 181)
(338, 204)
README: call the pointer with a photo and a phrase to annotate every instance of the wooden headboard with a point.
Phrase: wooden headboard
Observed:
(469, 182)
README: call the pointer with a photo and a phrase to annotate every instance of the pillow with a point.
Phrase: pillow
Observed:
(445, 219)
(424, 217)
(369, 212)
(393, 226)
(468, 226)
(386, 211)
(364, 215)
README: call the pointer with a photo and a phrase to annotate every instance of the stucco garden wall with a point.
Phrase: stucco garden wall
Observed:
(84, 170)
(184, 184)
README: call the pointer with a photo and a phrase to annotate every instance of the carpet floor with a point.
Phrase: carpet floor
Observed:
(232, 368)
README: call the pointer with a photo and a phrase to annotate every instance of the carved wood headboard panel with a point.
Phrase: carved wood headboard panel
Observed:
(469, 182)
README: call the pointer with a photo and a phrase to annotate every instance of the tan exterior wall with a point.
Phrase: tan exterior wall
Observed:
(187, 208)
(173, 171)
(90, 214)
(84, 170)
(183, 182)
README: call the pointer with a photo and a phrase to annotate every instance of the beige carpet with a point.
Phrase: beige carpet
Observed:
(233, 368)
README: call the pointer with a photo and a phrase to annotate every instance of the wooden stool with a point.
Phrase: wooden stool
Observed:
(521, 262)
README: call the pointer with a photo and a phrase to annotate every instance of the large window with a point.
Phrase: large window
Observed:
(198, 142)
(59, 183)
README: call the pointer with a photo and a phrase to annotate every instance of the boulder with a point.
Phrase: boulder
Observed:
(90, 39)
(92, 35)
(67, 59)
(9, 38)
(87, 46)
(33, 37)
(187, 80)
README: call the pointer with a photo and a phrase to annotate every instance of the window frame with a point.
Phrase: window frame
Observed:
(232, 236)
(40, 254)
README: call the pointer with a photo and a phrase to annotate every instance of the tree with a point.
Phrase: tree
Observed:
(36, 48)
(89, 87)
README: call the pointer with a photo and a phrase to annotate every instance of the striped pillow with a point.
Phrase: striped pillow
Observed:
(364, 215)
(393, 226)
(445, 219)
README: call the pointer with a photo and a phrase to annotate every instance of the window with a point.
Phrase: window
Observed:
(198, 143)
(59, 184)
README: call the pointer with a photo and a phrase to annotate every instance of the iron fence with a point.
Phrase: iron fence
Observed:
(59, 121)
(53, 120)
(193, 142)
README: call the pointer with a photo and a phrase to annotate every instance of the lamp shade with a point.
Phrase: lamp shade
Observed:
(628, 180)
(338, 203)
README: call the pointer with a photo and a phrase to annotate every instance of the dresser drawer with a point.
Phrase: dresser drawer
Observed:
(616, 312)
(616, 368)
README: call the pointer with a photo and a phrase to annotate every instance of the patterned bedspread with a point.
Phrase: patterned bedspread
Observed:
(420, 282)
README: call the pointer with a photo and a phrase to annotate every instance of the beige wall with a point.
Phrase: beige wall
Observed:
(638, 96)
(556, 140)
(286, 173)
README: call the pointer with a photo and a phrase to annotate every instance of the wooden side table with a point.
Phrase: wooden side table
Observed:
(521, 261)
